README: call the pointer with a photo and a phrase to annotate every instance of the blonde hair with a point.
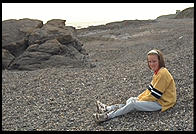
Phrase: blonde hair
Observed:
(160, 57)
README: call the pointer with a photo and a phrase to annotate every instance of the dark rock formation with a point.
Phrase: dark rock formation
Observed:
(28, 45)
(7, 57)
(15, 33)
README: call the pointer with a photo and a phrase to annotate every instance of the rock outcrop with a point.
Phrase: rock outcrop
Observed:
(29, 44)
(186, 13)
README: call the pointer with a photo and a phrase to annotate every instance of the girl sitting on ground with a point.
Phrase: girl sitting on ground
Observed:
(160, 94)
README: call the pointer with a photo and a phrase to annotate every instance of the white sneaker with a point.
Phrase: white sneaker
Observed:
(101, 108)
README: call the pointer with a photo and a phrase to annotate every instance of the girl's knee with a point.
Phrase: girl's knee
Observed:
(131, 100)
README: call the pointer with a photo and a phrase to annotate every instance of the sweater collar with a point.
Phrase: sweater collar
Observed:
(156, 71)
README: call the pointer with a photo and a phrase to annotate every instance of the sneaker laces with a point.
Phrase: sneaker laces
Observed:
(101, 108)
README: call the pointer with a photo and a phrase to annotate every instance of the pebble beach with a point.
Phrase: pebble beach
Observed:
(63, 98)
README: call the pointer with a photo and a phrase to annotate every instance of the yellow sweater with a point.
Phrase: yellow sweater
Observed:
(162, 89)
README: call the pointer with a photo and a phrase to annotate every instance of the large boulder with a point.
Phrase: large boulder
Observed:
(56, 22)
(48, 32)
(36, 46)
(15, 33)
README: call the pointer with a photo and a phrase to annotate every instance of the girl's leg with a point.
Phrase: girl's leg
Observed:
(114, 107)
(131, 99)
(101, 108)
(118, 106)
(147, 106)
(123, 110)
(133, 104)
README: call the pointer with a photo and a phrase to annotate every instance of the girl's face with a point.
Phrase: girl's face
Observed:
(153, 62)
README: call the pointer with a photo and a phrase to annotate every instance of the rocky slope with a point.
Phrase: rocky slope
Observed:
(64, 98)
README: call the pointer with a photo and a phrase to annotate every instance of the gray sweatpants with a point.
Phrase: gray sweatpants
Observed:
(132, 104)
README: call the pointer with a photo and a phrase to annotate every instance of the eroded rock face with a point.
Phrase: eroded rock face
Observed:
(15, 34)
(7, 57)
(28, 45)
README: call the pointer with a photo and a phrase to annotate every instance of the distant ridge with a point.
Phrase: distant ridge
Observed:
(186, 13)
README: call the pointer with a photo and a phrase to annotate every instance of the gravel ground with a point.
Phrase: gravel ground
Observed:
(63, 99)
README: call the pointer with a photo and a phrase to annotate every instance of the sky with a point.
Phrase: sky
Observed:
(87, 14)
